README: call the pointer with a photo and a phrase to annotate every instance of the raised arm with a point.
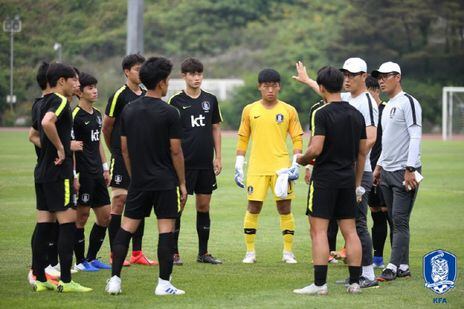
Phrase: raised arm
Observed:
(303, 77)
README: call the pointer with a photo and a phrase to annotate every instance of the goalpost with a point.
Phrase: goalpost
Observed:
(452, 112)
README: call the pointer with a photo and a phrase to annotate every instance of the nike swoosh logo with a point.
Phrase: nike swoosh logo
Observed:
(87, 122)
(185, 107)
(256, 117)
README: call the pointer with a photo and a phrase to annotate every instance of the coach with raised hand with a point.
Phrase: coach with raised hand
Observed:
(399, 164)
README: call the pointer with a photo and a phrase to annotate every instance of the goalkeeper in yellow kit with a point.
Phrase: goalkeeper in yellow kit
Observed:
(268, 122)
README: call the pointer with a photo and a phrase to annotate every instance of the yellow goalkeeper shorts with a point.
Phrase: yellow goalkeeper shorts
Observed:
(258, 185)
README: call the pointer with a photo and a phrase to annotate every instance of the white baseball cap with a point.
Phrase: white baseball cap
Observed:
(354, 65)
(387, 67)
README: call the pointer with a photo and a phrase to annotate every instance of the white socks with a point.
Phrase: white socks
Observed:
(368, 272)
(392, 267)
(404, 267)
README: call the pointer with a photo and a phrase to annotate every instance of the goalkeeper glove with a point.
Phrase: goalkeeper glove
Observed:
(294, 170)
(239, 162)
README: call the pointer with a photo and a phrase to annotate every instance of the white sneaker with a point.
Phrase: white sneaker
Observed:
(313, 290)
(166, 288)
(57, 267)
(353, 288)
(250, 258)
(289, 258)
(31, 277)
(113, 286)
(51, 271)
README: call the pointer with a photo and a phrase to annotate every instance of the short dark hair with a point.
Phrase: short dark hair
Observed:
(77, 71)
(42, 75)
(191, 65)
(268, 76)
(58, 70)
(331, 78)
(86, 79)
(130, 60)
(154, 70)
(372, 82)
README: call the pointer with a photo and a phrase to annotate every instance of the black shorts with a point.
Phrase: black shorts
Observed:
(119, 176)
(375, 199)
(166, 204)
(55, 196)
(200, 181)
(93, 191)
(331, 203)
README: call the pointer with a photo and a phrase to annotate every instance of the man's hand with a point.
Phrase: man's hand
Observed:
(359, 194)
(307, 177)
(217, 165)
(410, 182)
(60, 156)
(77, 145)
(183, 196)
(107, 177)
(376, 175)
(76, 185)
(302, 75)
(239, 162)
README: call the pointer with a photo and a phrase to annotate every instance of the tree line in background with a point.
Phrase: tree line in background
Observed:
(237, 38)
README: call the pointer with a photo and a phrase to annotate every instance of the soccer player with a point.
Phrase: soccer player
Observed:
(398, 164)
(151, 133)
(112, 134)
(201, 139)
(53, 179)
(338, 143)
(91, 176)
(34, 138)
(354, 71)
(267, 122)
(52, 270)
(333, 226)
(377, 204)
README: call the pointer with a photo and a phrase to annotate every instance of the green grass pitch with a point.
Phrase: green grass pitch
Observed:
(437, 222)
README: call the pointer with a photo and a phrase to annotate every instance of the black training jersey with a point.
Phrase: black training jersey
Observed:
(312, 109)
(87, 128)
(149, 124)
(198, 116)
(343, 127)
(114, 108)
(35, 118)
(46, 170)
(377, 148)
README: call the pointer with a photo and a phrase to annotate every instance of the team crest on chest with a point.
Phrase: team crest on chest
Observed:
(99, 120)
(279, 118)
(206, 106)
(392, 112)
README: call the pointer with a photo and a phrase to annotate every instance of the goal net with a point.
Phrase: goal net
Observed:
(452, 112)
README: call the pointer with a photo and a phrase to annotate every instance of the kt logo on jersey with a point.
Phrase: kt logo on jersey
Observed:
(197, 121)
(440, 271)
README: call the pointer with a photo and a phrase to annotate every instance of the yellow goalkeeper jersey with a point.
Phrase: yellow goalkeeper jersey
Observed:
(268, 129)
